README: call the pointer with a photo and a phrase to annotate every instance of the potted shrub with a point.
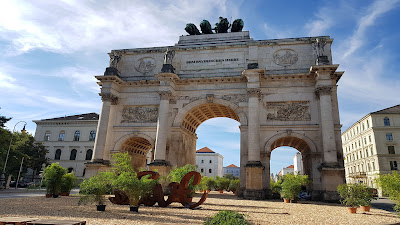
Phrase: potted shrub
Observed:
(291, 186)
(95, 188)
(134, 188)
(234, 185)
(210, 183)
(367, 196)
(68, 181)
(352, 195)
(178, 173)
(221, 183)
(276, 188)
(226, 217)
(53, 178)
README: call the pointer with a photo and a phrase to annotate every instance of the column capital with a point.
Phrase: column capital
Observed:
(165, 95)
(109, 97)
(323, 90)
(254, 92)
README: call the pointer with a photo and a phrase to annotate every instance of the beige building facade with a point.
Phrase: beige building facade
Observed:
(69, 140)
(283, 92)
(371, 146)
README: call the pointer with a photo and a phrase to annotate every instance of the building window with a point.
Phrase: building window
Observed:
(70, 170)
(373, 166)
(47, 136)
(391, 150)
(77, 135)
(363, 127)
(365, 141)
(386, 121)
(389, 137)
(202, 170)
(58, 154)
(84, 172)
(370, 140)
(92, 135)
(367, 124)
(393, 165)
(89, 154)
(73, 154)
(61, 136)
(210, 161)
(202, 161)
(209, 171)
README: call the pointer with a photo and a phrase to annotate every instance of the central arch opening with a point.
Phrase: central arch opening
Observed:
(217, 127)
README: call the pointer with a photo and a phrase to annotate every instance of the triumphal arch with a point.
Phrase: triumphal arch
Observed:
(283, 92)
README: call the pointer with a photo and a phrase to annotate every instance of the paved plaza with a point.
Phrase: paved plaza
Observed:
(257, 212)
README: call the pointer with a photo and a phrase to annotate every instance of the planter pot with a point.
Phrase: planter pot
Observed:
(286, 200)
(352, 209)
(49, 195)
(101, 207)
(64, 194)
(365, 208)
(55, 196)
(208, 191)
(134, 208)
(221, 191)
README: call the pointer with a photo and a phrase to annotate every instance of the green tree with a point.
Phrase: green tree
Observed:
(390, 184)
(291, 185)
(178, 173)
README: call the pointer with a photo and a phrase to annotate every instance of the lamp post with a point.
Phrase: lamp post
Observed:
(3, 177)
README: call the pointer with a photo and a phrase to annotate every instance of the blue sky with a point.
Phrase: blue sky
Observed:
(51, 50)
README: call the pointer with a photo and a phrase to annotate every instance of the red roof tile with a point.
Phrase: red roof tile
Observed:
(205, 150)
(291, 166)
(232, 165)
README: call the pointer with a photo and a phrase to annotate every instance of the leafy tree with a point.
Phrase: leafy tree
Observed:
(3, 120)
(53, 178)
(291, 185)
(390, 184)
(94, 188)
(221, 183)
(178, 173)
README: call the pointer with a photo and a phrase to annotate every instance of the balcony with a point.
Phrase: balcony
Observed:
(358, 175)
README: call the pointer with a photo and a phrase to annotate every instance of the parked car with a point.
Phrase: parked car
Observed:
(21, 184)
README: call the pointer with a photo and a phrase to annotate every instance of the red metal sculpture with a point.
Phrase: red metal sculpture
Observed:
(178, 192)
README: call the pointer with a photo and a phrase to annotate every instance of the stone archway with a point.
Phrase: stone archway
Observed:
(138, 148)
(308, 150)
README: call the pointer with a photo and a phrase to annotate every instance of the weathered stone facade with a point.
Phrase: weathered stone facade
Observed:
(283, 93)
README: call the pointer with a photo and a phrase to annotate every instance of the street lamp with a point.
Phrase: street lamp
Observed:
(3, 174)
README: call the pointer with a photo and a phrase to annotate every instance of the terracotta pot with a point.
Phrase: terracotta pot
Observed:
(365, 208)
(221, 191)
(352, 209)
(55, 196)
(64, 194)
(208, 191)
(101, 207)
(49, 195)
(286, 200)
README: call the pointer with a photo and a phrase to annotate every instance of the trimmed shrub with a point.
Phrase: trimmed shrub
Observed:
(226, 217)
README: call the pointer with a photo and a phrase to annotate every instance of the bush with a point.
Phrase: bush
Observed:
(226, 217)
(68, 181)
(390, 184)
(234, 185)
(352, 194)
(178, 173)
(276, 188)
(96, 187)
(53, 178)
(221, 183)
(291, 185)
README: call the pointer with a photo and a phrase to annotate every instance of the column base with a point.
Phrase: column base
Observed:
(163, 167)
(332, 176)
(257, 194)
(96, 166)
(254, 171)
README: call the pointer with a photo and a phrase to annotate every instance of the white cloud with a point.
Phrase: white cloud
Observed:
(324, 21)
(70, 26)
(221, 125)
(273, 32)
(376, 10)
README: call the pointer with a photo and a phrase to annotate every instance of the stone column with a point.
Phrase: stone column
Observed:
(327, 124)
(110, 135)
(253, 125)
(160, 163)
(101, 133)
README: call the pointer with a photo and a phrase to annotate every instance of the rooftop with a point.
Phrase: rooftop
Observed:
(232, 165)
(391, 110)
(86, 116)
(205, 150)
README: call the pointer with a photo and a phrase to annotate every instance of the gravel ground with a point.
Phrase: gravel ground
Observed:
(257, 212)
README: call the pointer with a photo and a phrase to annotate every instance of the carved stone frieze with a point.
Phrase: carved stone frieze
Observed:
(139, 114)
(324, 90)
(285, 57)
(235, 98)
(288, 111)
(109, 97)
(145, 65)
